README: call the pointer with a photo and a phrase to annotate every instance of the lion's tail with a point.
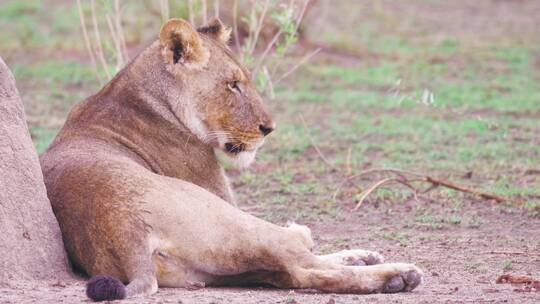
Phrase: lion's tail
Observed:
(105, 288)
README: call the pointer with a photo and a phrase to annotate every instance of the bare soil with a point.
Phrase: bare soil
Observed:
(461, 262)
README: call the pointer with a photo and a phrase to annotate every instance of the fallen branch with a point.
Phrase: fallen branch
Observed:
(531, 285)
(510, 253)
(462, 188)
(407, 178)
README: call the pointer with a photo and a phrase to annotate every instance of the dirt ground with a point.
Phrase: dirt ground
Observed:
(460, 264)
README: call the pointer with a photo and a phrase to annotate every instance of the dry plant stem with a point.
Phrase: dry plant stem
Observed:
(508, 252)
(274, 40)
(378, 184)
(296, 26)
(116, 40)
(120, 29)
(259, 26)
(270, 84)
(251, 28)
(204, 11)
(264, 55)
(315, 146)
(87, 42)
(216, 8)
(482, 194)
(348, 161)
(372, 188)
(301, 14)
(296, 66)
(418, 177)
(235, 30)
(164, 5)
(190, 12)
(99, 48)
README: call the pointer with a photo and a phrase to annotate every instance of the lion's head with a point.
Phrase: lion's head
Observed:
(219, 103)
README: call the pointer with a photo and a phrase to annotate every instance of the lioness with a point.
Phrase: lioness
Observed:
(141, 198)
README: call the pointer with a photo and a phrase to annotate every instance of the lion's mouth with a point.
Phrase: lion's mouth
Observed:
(235, 148)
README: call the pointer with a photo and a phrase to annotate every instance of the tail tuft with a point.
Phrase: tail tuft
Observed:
(105, 288)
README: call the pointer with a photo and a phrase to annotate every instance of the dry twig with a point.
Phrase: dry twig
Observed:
(190, 12)
(235, 30)
(164, 7)
(530, 284)
(216, 8)
(510, 252)
(99, 47)
(348, 161)
(87, 41)
(204, 11)
(404, 178)
(315, 146)
(296, 66)
(255, 38)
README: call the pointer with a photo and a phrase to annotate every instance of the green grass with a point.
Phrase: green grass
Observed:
(42, 138)
(55, 72)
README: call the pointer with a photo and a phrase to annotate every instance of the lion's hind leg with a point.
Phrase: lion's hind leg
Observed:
(124, 257)
(142, 281)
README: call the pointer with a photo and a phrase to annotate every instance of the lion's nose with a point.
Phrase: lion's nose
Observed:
(266, 129)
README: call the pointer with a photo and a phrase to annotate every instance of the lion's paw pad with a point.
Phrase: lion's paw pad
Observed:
(406, 281)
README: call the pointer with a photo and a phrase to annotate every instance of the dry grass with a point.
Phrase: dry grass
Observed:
(266, 65)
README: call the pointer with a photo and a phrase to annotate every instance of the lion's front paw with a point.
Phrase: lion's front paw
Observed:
(355, 257)
(363, 258)
(406, 279)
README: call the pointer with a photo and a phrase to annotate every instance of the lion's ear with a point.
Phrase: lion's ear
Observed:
(181, 44)
(217, 30)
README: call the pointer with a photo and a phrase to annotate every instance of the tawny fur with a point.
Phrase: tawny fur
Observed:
(140, 195)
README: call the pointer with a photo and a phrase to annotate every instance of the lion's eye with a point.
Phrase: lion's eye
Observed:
(233, 86)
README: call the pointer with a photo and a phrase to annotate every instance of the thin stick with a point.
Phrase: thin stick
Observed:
(348, 161)
(259, 27)
(216, 8)
(462, 188)
(235, 29)
(112, 31)
(378, 184)
(190, 12)
(315, 146)
(270, 85)
(251, 27)
(99, 50)
(296, 66)
(263, 56)
(164, 5)
(296, 26)
(204, 11)
(120, 30)
(87, 42)
(509, 252)
(300, 17)
(420, 178)
(368, 191)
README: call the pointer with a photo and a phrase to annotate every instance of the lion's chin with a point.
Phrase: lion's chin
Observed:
(243, 159)
(239, 160)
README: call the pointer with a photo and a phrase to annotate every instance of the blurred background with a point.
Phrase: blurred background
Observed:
(437, 86)
(448, 88)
